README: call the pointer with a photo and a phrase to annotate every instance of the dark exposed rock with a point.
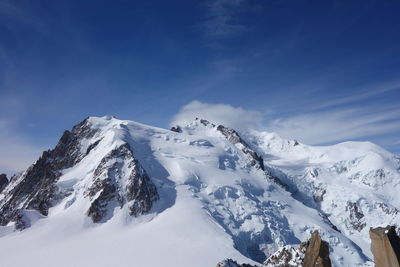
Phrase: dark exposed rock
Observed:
(206, 122)
(176, 129)
(388, 210)
(278, 181)
(35, 188)
(92, 146)
(356, 216)
(318, 194)
(288, 256)
(233, 137)
(312, 253)
(317, 253)
(385, 246)
(98, 209)
(232, 263)
(21, 222)
(3, 181)
(139, 192)
(328, 222)
(255, 160)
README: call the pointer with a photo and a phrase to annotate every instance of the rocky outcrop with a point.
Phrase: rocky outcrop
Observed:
(35, 188)
(255, 159)
(356, 216)
(288, 256)
(232, 263)
(3, 181)
(387, 209)
(317, 253)
(176, 129)
(233, 137)
(385, 246)
(119, 179)
(312, 253)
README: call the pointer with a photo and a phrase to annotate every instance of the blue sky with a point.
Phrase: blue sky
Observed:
(318, 71)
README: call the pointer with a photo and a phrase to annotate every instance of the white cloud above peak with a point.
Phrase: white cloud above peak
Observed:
(235, 117)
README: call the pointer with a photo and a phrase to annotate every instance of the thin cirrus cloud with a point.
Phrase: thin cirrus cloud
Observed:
(337, 125)
(219, 20)
(370, 92)
(11, 12)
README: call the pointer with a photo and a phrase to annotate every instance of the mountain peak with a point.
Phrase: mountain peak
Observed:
(246, 193)
(118, 177)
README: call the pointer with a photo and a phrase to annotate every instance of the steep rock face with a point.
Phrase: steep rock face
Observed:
(117, 180)
(120, 179)
(317, 253)
(385, 246)
(3, 181)
(35, 188)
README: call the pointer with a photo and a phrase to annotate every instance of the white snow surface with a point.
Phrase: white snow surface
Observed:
(213, 205)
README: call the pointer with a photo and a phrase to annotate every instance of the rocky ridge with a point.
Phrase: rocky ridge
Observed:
(3, 181)
(37, 189)
(138, 192)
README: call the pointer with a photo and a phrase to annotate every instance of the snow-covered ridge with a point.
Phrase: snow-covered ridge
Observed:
(194, 196)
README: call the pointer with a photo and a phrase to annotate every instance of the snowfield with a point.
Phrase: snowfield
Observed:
(215, 200)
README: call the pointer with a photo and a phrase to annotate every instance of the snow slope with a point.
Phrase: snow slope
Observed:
(354, 184)
(213, 199)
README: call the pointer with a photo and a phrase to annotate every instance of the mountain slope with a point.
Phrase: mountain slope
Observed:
(131, 193)
(353, 184)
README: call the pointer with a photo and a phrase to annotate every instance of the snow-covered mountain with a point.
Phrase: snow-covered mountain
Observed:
(118, 193)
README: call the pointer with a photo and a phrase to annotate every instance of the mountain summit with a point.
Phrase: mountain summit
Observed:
(115, 192)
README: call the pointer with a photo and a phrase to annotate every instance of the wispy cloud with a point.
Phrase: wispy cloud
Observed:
(221, 19)
(337, 125)
(364, 93)
(14, 12)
